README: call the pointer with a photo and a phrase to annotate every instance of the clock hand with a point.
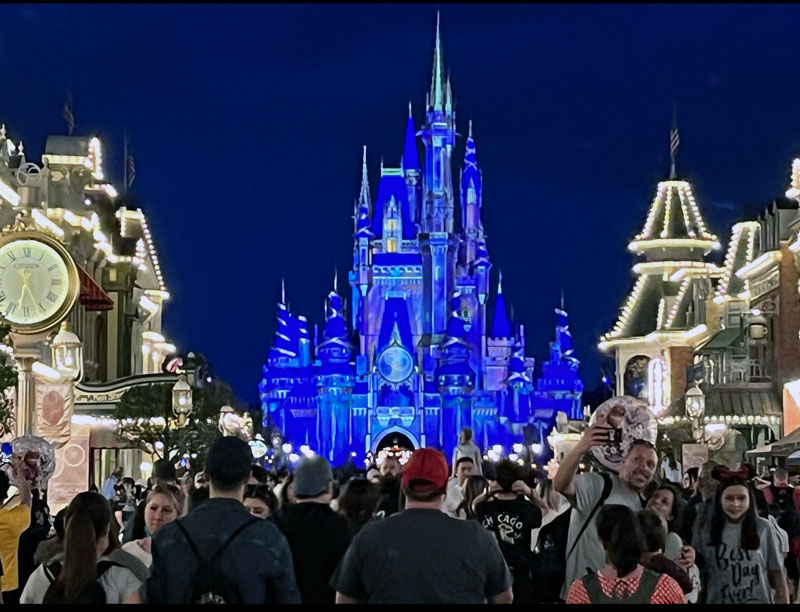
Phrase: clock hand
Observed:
(25, 277)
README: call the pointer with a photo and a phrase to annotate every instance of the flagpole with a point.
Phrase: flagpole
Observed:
(125, 164)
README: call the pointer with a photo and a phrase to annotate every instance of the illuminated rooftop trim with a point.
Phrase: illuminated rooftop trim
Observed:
(8, 194)
(653, 337)
(761, 264)
(637, 246)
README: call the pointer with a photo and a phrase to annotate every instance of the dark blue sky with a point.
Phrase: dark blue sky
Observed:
(246, 123)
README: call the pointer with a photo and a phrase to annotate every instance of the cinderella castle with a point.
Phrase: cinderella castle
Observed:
(418, 355)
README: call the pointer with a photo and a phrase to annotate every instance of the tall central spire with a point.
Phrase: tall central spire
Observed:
(438, 86)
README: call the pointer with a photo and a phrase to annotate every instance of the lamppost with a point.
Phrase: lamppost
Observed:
(67, 353)
(182, 400)
(695, 407)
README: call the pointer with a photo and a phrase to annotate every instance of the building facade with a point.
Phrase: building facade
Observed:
(427, 346)
(69, 201)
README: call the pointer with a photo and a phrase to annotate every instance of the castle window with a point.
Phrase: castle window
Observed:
(391, 245)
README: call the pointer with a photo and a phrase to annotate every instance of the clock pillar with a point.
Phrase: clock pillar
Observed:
(26, 353)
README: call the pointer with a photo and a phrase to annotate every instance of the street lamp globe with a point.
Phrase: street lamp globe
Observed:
(182, 400)
(695, 402)
(67, 353)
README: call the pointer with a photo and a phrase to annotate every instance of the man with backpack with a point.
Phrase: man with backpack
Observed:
(219, 553)
(587, 492)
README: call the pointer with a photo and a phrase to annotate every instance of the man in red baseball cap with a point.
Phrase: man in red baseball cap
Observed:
(421, 555)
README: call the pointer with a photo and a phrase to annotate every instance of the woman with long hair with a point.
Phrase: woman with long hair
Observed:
(473, 487)
(81, 574)
(623, 579)
(259, 500)
(742, 555)
(163, 504)
(358, 501)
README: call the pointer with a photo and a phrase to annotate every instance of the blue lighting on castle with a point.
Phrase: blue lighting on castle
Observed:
(420, 357)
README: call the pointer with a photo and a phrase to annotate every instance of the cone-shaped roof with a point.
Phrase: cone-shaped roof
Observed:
(410, 155)
(501, 325)
(438, 84)
(674, 221)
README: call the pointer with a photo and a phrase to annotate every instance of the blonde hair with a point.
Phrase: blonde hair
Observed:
(466, 435)
(170, 490)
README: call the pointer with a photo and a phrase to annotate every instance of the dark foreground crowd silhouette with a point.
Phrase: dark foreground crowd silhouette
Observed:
(423, 532)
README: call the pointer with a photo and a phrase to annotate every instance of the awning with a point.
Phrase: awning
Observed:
(722, 340)
(761, 451)
(787, 445)
(721, 401)
(793, 460)
(92, 295)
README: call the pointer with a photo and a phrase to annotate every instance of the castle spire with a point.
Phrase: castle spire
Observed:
(363, 198)
(410, 156)
(283, 290)
(501, 326)
(437, 79)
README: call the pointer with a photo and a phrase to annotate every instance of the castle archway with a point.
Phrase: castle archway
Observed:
(395, 435)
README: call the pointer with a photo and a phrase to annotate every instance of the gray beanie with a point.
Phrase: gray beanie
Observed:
(311, 476)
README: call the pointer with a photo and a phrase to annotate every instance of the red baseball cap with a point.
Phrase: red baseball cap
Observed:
(426, 470)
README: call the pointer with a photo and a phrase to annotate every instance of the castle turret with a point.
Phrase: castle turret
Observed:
(471, 199)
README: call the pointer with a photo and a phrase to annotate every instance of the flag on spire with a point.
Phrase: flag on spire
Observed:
(674, 141)
(67, 114)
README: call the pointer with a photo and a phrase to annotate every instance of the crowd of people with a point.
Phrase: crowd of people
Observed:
(427, 531)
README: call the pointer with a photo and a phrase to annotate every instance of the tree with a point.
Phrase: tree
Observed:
(8, 385)
(145, 416)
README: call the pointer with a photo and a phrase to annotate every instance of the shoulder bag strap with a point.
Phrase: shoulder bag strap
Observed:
(607, 484)
(190, 541)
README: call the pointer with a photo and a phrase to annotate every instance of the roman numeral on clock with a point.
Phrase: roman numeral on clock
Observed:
(55, 281)
(53, 267)
(10, 308)
(12, 256)
(52, 297)
(26, 311)
(26, 252)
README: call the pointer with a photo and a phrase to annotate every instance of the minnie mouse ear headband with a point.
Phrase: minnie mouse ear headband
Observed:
(728, 477)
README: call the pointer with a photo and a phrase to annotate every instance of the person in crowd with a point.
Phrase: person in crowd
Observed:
(586, 493)
(15, 518)
(622, 578)
(358, 501)
(466, 447)
(130, 502)
(109, 486)
(284, 490)
(30, 539)
(463, 470)
(421, 555)
(772, 512)
(670, 505)
(318, 537)
(700, 505)
(508, 514)
(550, 542)
(689, 482)
(475, 486)
(787, 499)
(163, 472)
(54, 545)
(389, 484)
(671, 470)
(258, 475)
(164, 504)
(220, 551)
(200, 481)
(654, 537)
(197, 496)
(741, 553)
(374, 474)
(260, 501)
(84, 573)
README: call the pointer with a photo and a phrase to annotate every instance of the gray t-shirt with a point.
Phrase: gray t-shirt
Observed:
(422, 556)
(734, 575)
(589, 552)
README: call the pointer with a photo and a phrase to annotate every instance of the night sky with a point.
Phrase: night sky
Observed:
(247, 122)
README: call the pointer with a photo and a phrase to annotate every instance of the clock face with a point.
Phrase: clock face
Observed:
(395, 364)
(34, 281)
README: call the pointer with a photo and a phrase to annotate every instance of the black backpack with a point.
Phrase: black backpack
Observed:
(550, 551)
(211, 584)
(94, 593)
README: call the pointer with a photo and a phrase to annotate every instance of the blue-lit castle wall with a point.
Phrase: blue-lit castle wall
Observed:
(420, 356)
